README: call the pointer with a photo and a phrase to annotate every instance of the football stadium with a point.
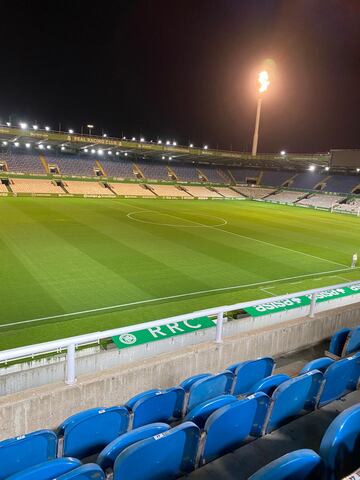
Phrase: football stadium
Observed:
(173, 309)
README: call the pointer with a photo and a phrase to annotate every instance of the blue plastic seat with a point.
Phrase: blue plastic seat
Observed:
(25, 451)
(230, 426)
(269, 384)
(208, 388)
(88, 432)
(90, 471)
(299, 465)
(320, 364)
(352, 344)
(340, 378)
(250, 372)
(107, 457)
(157, 406)
(292, 398)
(340, 446)
(47, 470)
(165, 456)
(188, 382)
(337, 341)
(202, 412)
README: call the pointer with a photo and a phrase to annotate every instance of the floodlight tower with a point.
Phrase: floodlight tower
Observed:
(264, 85)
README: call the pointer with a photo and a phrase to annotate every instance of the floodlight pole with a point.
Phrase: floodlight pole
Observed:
(256, 131)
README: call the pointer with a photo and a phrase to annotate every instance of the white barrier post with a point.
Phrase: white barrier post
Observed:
(70, 365)
(219, 327)
(313, 305)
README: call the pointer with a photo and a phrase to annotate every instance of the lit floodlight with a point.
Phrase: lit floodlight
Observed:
(159, 142)
(124, 138)
(205, 147)
(191, 145)
(62, 148)
(5, 143)
(312, 168)
(49, 147)
(41, 146)
(8, 124)
(86, 150)
(100, 151)
(174, 143)
(93, 150)
(104, 135)
(117, 153)
(163, 158)
(282, 153)
(142, 139)
(71, 131)
(35, 127)
(47, 128)
(126, 154)
(27, 145)
(90, 126)
(358, 170)
(170, 158)
(264, 81)
(133, 139)
(167, 142)
(109, 152)
(327, 169)
(16, 144)
(23, 125)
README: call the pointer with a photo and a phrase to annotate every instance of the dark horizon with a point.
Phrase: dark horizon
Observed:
(186, 71)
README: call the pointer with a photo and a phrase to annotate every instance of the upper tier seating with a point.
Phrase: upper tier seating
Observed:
(22, 185)
(131, 189)
(322, 201)
(254, 192)
(72, 165)
(202, 192)
(23, 162)
(213, 174)
(242, 174)
(169, 191)
(275, 178)
(153, 170)
(228, 192)
(342, 183)
(308, 180)
(87, 188)
(118, 168)
(185, 172)
(286, 196)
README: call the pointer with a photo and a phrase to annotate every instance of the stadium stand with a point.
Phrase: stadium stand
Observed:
(24, 185)
(275, 178)
(344, 342)
(119, 168)
(202, 192)
(254, 192)
(308, 180)
(72, 165)
(214, 174)
(286, 196)
(228, 192)
(321, 201)
(153, 170)
(87, 188)
(22, 162)
(131, 190)
(185, 172)
(241, 175)
(342, 183)
(169, 191)
(351, 206)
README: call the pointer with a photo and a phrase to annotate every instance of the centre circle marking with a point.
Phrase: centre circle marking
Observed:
(194, 224)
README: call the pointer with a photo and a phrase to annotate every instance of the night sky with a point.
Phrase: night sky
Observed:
(185, 70)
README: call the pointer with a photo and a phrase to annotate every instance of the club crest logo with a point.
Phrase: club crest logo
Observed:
(127, 338)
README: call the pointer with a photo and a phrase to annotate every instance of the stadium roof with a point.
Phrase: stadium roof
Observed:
(80, 142)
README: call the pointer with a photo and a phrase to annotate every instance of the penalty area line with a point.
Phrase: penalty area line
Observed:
(172, 297)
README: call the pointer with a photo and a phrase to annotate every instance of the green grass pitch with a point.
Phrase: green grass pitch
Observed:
(73, 265)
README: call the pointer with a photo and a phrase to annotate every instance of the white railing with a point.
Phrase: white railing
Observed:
(69, 344)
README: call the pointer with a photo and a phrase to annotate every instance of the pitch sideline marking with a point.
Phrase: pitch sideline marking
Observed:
(170, 297)
(250, 238)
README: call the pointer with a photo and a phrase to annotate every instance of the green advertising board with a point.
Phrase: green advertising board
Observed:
(296, 302)
(154, 334)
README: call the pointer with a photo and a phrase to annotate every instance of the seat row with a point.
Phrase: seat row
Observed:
(218, 413)
(344, 342)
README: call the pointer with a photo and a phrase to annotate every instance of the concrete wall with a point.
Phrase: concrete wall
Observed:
(48, 406)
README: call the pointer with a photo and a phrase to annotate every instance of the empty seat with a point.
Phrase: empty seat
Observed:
(337, 341)
(230, 426)
(352, 344)
(340, 446)
(202, 412)
(299, 465)
(47, 470)
(91, 471)
(269, 384)
(164, 456)
(320, 364)
(88, 432)
(250, 372)
(292, 398)
(209, 387)
(157, 406)
(25, 451)
(107, 457)
(340, 378)
(188, 382)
